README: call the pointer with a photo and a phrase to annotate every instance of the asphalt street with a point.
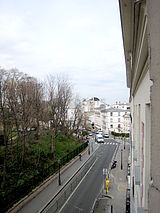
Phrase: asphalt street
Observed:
(84, 196)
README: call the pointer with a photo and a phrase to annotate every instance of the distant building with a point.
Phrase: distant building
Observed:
(119, 105)
(91, 108)
(116, 120)
(91, 104)
(105, 117)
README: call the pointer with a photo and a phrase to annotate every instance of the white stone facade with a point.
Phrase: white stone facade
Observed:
(107, 118)
(141, 32)
(116, 120)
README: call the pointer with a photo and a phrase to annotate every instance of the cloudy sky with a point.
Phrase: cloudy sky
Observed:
(79, 38)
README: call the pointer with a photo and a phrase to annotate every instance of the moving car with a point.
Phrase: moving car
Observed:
(106, 136)
(99, 139)
(100, 132)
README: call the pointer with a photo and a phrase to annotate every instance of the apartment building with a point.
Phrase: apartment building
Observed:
(106, 117)
(119, 105)
(91, 108)
(140, 20)
(116, 120)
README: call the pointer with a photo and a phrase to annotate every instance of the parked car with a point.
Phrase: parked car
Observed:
(90, 134)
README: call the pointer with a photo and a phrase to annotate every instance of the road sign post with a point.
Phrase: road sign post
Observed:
(105, 172)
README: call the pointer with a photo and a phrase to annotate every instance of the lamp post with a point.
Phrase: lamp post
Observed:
(59, 174)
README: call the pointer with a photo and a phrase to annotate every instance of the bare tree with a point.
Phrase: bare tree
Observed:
(4, 113)
(25, 100)
(37, 98)
(75, 120)
(37, 111)
(64, 95)
(59, 94)
(13, 100)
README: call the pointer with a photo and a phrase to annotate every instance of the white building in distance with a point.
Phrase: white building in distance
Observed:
(105, 117)
(116, 120)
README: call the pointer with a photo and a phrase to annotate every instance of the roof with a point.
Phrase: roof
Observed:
(126, 14)
(113, 110)
(94, 99)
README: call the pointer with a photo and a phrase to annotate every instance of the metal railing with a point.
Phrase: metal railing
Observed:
(55, 204)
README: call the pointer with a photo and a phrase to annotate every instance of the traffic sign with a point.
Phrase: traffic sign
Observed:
(105, 171)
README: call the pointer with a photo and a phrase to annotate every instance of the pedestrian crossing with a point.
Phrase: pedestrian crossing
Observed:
(111, 143)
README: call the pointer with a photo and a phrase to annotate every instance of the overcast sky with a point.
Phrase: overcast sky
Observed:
(81, 38)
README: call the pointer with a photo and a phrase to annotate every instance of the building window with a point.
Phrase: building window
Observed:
(118, 113)
(111, 126)
(111, 113)
(119, 120)
(111, 120)
(119, 126)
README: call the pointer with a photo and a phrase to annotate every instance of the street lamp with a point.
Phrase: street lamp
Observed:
(59, 174)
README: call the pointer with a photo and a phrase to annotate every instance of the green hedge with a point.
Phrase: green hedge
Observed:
(23, 187)
(116, 134)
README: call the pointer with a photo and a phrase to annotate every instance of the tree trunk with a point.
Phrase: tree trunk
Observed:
(24, 146)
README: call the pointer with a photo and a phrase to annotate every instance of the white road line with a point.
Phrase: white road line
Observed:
(77, 186)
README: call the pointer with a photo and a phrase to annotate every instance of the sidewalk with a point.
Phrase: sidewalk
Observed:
(43, 193)
(115, 200)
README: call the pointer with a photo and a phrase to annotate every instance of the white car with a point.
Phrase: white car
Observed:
(100, 139)
(106, 136)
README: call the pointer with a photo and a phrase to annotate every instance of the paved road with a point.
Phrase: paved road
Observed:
(83, 198)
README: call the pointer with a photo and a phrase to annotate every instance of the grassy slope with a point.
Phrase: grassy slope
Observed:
(38, 157)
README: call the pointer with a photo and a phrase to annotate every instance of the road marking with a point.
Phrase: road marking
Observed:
(110, 143)
(77, 187)
(113, 143)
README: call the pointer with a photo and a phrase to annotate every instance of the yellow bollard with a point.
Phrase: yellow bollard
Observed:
(107, 185)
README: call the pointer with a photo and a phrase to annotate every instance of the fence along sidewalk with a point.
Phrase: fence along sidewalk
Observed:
(59, 199)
